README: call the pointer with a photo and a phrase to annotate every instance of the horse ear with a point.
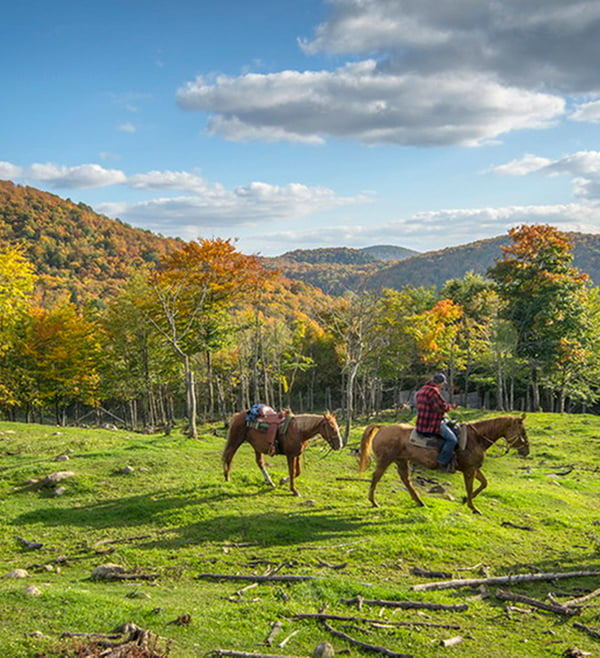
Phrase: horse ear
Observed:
(523, 416)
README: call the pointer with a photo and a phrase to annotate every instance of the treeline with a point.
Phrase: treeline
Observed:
(206, 330)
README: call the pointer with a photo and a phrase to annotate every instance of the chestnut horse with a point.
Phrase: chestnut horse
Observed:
(300, 429)
(390, 443)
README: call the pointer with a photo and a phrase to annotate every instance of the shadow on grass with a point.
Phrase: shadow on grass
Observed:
(178, 516)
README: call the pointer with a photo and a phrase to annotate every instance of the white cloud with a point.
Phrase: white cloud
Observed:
(421, 72)
(583, 167)
(549, 44)
(162, 180)
(10, 171)
(428, 231)
(587, 112)
(127, 128)
(523, 166)
(80, 176)
(218, 207)
(360, 102)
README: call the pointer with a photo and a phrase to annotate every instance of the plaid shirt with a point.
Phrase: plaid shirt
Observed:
(431, 408)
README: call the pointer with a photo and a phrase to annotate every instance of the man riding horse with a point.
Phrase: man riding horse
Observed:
(431, 408)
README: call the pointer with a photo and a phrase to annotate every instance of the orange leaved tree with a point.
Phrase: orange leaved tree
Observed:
(190, 294)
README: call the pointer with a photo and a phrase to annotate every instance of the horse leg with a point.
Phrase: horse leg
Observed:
(235, 437)
(380, 469)
(260, 462)
(293, 463)
(483, 483)
(404, 473)
(468, 477)
(228, 455)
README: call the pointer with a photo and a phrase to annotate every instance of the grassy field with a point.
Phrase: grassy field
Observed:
(170, 517)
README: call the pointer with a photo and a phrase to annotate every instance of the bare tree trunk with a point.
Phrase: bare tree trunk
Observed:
(190, 396)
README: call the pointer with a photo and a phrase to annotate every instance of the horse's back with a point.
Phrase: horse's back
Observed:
(391, 438)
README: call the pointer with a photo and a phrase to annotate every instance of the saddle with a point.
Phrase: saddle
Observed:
(422, 441)
(263, 418)
(436, 442)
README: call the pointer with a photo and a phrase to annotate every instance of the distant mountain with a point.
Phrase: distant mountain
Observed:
(388, 252)
(334, 255)
(432, 268)
(72, 247)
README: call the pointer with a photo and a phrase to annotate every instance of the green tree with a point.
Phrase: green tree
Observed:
(544, 299)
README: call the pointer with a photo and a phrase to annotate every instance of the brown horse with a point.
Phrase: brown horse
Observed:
(301, 428)
(391, 444)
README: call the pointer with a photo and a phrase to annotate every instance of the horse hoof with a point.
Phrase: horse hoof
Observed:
(374, 504)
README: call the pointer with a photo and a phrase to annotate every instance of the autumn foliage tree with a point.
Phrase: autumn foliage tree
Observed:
(544, 299)
(189, 294)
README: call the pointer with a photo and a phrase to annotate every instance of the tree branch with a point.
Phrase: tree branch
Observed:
(549, 607)
(501, 580)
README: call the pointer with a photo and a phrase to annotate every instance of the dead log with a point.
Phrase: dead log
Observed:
(258, 579)
(503, 595)
(369, 647)
(501, 580)
(410, 605)
(365, 620)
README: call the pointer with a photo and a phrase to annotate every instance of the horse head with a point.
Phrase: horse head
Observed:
(331, 432)
(516, 435)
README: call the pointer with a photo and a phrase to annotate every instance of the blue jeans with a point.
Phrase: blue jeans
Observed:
(450, 442)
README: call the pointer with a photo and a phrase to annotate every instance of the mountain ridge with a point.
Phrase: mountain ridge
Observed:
(90, 256)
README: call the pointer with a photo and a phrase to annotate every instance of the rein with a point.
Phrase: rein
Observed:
(491, 441)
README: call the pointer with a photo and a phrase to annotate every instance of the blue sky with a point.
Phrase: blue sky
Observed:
(286, 124)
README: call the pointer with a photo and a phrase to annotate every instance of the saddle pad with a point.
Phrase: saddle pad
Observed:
(424, 441)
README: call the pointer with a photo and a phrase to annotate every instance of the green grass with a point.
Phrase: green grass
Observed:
(175, 516)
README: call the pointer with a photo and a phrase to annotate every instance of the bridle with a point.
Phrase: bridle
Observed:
(509, 440)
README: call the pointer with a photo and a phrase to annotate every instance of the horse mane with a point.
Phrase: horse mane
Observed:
(303, 420)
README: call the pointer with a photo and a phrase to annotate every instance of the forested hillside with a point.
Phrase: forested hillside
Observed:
(432, 268)
(72, 247)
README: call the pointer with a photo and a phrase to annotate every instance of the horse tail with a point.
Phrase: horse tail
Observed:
(365, 445)
(236, 435)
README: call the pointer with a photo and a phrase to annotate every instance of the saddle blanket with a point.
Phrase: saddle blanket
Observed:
(421, 441)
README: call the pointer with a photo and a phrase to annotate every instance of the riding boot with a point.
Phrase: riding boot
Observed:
(446, 468)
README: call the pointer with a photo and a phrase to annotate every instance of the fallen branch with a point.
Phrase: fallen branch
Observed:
(353, 479)
(417, 571)
(122, 540)
(501, 580)
(258, 579)
(375, 622)
(549, 607)
(509, 524)
(587, 629)
(410, 605)
(364, 645)
(322, 563)
(134, 576)
(246, 654)
(581, 599)
(275, 628)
